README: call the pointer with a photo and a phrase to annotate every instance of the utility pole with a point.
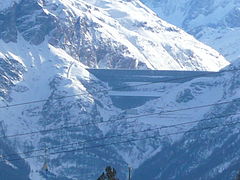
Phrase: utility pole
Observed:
(45, 165)
(129, 173)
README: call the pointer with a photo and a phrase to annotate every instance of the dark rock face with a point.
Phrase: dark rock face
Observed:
(8, 30)
(185, 96)
(10, 70)
(27, 18)
(16, 168)
(81, 38)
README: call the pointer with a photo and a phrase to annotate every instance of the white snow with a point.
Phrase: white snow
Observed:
(210, 22)
(147, 38)
(42, 64)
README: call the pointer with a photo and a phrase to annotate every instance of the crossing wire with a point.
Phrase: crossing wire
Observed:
(126, 141)
(122, 135)
(108, 137)
(115, 89)
(92, 123)
(120, 119)
(119, 88)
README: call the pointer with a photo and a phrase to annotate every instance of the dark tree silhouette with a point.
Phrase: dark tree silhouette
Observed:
(238, 176)
(109, 174)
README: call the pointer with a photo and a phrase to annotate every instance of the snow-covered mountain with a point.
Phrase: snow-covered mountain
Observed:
(210, 150)
(46, 72)
(215, 22)
(107, 34)
(46, 47)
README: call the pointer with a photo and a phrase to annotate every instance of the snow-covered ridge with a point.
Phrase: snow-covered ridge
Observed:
(110, 34)
(49, 73)
(215, 23)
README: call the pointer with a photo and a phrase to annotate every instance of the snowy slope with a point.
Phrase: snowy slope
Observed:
(108, 34)
(66, 76)
(49, 73)
(215, 23)
(206, 152)
(45, 49)
(212, 154)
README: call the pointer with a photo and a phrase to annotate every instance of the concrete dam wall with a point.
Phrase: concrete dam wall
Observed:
(133, 88)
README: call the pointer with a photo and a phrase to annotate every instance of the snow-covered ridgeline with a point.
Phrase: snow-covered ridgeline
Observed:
(215, 23)
(110, 34)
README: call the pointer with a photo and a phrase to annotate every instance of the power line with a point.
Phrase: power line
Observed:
(92, 123)
(80, 142)
(108, 137)
(119, 119)
(118, 88)
(121, 135)
(73, 126)
(127, 141)
(150, 137)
